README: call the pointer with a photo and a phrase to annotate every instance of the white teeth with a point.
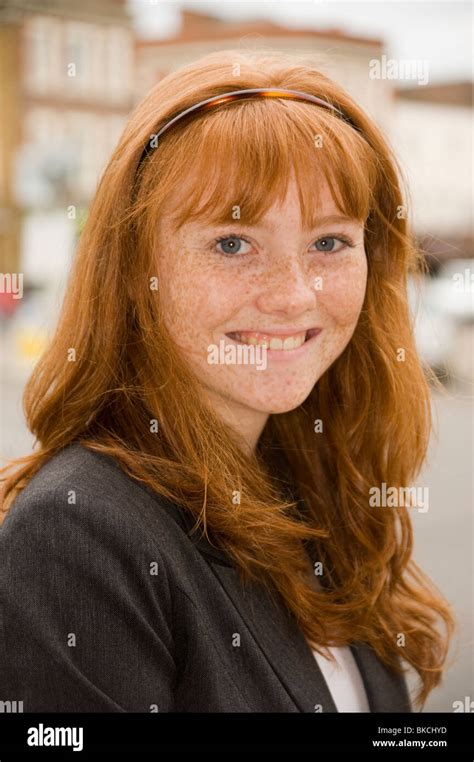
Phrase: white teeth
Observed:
(274, 342)
(292, 342)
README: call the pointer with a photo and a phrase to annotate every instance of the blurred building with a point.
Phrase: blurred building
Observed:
(433, 140)
(66, 87)
(342, 56)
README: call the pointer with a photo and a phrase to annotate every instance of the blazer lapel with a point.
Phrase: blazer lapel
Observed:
(386, 690)
(287, 650)
(280, 640)
(275, 632)
(283, 644)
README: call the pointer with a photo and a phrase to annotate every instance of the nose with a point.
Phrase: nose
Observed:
(287, 288)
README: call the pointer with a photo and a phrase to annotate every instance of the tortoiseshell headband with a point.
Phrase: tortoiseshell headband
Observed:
(224, 98)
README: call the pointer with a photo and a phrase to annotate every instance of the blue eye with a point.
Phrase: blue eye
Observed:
(234, 245)
(328, 243)
(231, 244)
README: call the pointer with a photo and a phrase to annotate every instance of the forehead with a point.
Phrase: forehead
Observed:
(289, 207)
(281, 212)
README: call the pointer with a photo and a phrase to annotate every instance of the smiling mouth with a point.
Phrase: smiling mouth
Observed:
(274, 341)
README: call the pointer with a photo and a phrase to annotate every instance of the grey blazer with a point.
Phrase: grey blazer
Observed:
(109, 605)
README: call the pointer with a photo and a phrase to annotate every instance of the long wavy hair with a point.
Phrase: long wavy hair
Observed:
(375, 409)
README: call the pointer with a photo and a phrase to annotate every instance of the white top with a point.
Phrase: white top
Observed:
(343, 680)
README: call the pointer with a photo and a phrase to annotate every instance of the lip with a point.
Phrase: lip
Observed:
(283, 354)
(293, 331)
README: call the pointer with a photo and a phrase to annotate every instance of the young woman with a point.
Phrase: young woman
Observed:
(233, 374)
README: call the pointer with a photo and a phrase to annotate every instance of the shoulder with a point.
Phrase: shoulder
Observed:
(79, 476)
(82, 579)
(83, 501)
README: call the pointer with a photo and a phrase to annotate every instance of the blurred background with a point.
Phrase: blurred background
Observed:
(70, 74)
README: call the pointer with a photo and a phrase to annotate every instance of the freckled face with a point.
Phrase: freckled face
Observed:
(274, 279)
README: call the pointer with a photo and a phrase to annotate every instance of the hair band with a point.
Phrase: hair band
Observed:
(234, 95)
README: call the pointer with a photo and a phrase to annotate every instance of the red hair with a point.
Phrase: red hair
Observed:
(375, 409)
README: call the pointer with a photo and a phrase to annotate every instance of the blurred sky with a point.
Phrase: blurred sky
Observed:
(439, 31)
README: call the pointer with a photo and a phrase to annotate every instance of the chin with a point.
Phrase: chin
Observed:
(275, 405)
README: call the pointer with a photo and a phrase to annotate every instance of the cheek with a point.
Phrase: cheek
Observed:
(195, 299)
(343, 292)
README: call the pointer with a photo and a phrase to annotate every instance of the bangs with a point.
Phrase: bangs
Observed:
(243, 156)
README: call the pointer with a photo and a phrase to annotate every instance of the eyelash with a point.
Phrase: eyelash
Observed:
(344, 239)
